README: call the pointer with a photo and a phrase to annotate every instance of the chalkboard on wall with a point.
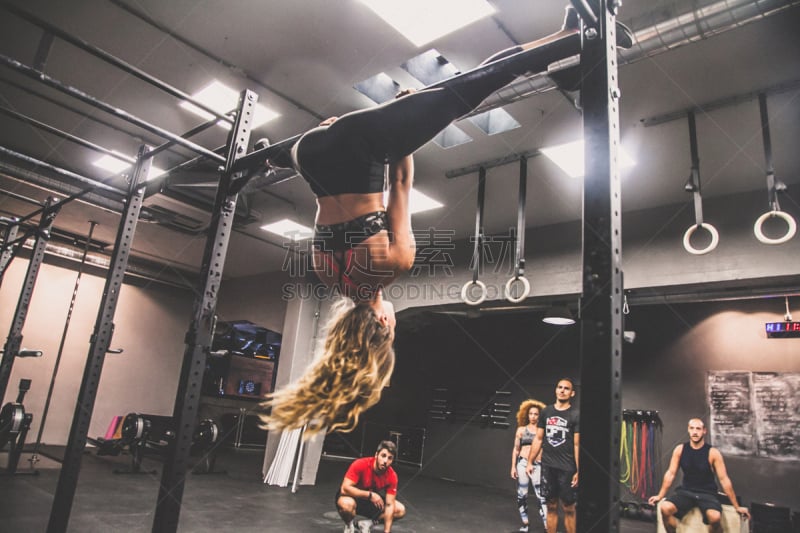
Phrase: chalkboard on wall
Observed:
(776, 402)
(755, 413)
(731, 419)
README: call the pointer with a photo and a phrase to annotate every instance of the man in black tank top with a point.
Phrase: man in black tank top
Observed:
(699, 462)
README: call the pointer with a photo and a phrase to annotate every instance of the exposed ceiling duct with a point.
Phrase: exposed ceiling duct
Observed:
(696, 25)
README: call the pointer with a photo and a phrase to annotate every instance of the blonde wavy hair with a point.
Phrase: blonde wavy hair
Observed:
(524, 407)
(357, 361)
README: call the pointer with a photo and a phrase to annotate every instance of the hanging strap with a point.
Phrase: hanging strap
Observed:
(693, 186)
(62, 343)
(694, 178)
(774, 186)
(519, 237)
(478, 248)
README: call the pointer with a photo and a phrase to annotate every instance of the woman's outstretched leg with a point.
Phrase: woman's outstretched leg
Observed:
(398, 128)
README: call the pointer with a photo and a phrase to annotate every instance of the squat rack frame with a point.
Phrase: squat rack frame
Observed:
(200, 331)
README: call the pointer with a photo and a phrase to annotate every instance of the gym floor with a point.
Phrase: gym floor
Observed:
(238, 501)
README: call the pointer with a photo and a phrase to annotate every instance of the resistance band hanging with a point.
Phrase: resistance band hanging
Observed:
(478, 249)
(35, 457)
(640, 448)
(693, 186)
(774, 186)
(519, 253)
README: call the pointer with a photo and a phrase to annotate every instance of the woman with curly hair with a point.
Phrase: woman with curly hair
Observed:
(527, 418)
(357, 361)
(361, 244)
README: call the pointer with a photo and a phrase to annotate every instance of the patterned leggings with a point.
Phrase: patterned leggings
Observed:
(522, 489)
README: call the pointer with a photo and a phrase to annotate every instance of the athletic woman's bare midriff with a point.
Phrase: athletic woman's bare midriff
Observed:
(368, 264)
(346, 207)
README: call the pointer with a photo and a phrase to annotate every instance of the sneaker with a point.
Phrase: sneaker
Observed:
(364, 526)
(349, 528)
(524, 527)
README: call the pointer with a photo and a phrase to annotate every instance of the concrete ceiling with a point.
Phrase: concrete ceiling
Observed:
(303, 59)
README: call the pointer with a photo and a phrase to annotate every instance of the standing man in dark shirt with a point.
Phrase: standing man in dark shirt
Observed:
(558, 436)
(699, 462)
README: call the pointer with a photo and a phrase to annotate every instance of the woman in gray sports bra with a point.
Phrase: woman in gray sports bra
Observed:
(527, 417)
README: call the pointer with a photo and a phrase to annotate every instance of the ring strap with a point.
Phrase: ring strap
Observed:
(694, 179)
(519, 259)
(478, 243)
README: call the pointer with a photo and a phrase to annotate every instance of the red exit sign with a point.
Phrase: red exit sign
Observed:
(782, 330)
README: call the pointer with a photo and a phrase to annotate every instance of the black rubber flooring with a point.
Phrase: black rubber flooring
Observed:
(238, 501)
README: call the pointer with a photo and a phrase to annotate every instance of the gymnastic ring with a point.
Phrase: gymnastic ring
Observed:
(526, 289)
(465, 292)
(792, 229)
(688, 235)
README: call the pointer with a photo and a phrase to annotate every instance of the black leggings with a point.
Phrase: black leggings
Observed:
(351, 147)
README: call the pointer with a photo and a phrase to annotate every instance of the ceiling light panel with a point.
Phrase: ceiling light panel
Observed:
(422, 21)
(569, 158)
(224, 99)
(289, 229)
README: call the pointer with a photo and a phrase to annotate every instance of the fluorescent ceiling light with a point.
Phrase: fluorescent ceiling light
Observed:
(289, 229)
(111, 163)
(422, 21)
(118, 165)
(417, 202)
(223, 99)
(569, 157)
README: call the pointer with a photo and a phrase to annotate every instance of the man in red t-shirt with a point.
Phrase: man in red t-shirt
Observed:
(369, 489)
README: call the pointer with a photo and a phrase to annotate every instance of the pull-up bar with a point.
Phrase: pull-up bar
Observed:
(64, 135)
(108, 58)
(92, 146)
(94, 102)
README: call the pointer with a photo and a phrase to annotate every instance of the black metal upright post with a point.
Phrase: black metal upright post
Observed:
(601, 301)
(100, 341)
(14, 340)
(198, 337)
(7, 253)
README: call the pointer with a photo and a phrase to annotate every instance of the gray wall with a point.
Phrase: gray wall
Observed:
(150, 320)
(254, 298)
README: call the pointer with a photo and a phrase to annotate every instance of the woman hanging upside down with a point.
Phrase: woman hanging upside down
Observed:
(361, 245)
